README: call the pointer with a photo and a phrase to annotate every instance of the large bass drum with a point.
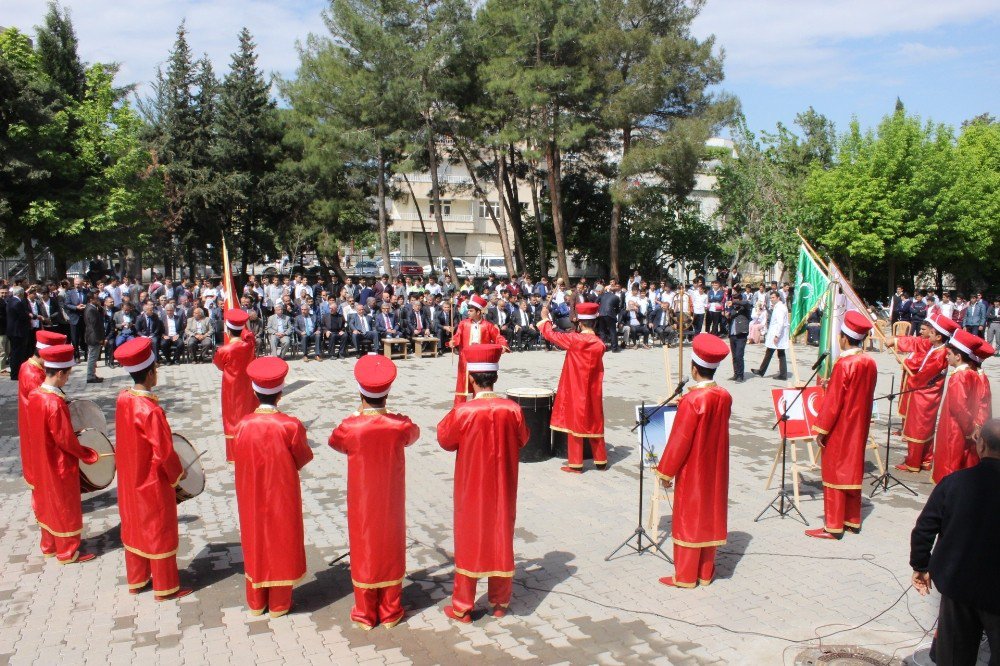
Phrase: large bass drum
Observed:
(87, 415)
(99, 475)
(536, 405)
(194, 483)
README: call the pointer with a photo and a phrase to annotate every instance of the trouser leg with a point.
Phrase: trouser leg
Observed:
(782, 364)
(137, 570)
(739, 345)
(766, 361)
(67, 548)
(699, 321)
(4, 353)
(166, 579)
(279, 600)
(706, 565)
(991, 625)
(686, 562)
(914, 455)
(834, 505)
(93, 353)
(48, 543)
(365, 610)
(390, 604)
(463, 596)
(500, 589)
(574, 452)
(959, 634)
(852, 508)
(256, 598)
(599, 449)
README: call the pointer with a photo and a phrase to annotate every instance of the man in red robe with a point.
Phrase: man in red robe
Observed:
(374, 441)
(985, 351)
(55, 460)
(472, 331)
(954, 440)
(269, 449)
(842, 429)
(29, 377)
(148, 470)
(926, 366)
(487, 432)
(696, 462)
(232, 358)
(579, 406)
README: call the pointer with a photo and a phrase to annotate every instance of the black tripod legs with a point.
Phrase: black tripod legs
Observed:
(637, 536)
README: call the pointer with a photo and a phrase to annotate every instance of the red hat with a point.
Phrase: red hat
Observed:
(483, 358)
(478, 302)
(856, 325)
(375, 374)
(944, 325)
(985, 351)
(136, 354)
(45, 339)
(965, 342)
(267, 374)
(586, 310)
(58, 356)
(708, 351)
(236, 319)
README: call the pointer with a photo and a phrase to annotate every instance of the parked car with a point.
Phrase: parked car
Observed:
(486, 265)
(462, 267)
(366, 268)
(408, 267)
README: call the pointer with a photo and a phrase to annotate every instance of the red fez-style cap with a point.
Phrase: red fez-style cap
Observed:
(856, 325)
(708, 351)
(985, 351)
(375, 374)
(944, 325)
(586, 310)
(45, 339)
(477, 302)
(58, 356)
(136, 354)
(267, 374)
(236, 319)
(482, 358)
(965, 342)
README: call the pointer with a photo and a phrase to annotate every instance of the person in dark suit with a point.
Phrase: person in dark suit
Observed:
(334, 330)
(609, 304)
(172, 335)
(895, 303)
(94, 334)
(738, 316)
(417, 323)
(75, 300)
(954, 546)
(148, 325)
(447, 322)
(524, 327)
(634, 325)
(362, 327)
(386, 323)
(18, 329)
(660, 322)
(4, 341)
(308, 330)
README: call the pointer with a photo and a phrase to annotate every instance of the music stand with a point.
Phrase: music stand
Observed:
(888, 481)
(640, 531)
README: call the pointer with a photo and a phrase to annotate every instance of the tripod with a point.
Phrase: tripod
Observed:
(782, 504)
(887, 481)
(640, 531)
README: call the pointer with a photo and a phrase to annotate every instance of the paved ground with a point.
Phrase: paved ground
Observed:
(778, 593)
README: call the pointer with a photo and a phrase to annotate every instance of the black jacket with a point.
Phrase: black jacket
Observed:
(93, 322)
(149, 326)
(608, 304)
(963, 514)
(18, 317)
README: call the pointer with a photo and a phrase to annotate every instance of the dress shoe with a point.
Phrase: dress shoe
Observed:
(757, 372)
(450, 612)
(95, 380)
(733, 378)
(600, 467)
(852, 530)
(499, 611)
(821, 533)
(570, 470)
(183, 592)
(670, 582)
(781, 377)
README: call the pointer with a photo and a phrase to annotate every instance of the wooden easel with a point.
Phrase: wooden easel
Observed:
(814, 462)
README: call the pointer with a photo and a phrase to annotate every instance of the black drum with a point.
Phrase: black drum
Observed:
(536, 405)
(560, 448)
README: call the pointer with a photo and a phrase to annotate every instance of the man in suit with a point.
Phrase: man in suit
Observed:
(149, 325)
(954, 546)
(124, 323)
(19, 331)
(608, 306)
(447, 321)
(659, 321)
(634, 325)
(524, 331)
(418, 324)
(308, 331)
(716, 302)
(198, 335)
(279, 331)
(94, 334)
(334, 330)
(895, 303)
(362, 327)
(75, 300)
(386, 323)
(4, 340)
(172, 335)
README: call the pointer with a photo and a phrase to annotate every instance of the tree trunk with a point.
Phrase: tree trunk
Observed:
(543, 260)
(338, 268)
(436, 198)
(481, 195)
(552, 162)
(423, 229)
(59, 264)
(891, 275)
(499, 176)
(939, 281)
(29, 258)
(383, 227)
(616, 213)
(514, 210)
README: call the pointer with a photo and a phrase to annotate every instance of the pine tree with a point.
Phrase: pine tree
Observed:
(58, 52)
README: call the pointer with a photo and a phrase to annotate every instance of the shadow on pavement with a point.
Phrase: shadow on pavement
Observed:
(210, 566)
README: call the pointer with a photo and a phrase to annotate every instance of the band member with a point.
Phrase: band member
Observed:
(269, 449)
(30, 377)
(472, 331)
(55, 460)
(233, 358)
(842, 429)
(927, 365)
(696, 462)
(954, 443)
(148, 470)
(579, 406)
(487, 432)
(374, 441)
(985, 351)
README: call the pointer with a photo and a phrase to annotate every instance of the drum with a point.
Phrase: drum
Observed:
(194, 483)
(560, 447)
(536, 405)
(99, 475)
(87, 415)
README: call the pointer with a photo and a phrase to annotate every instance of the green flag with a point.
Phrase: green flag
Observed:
(828, 337)
(810, 285)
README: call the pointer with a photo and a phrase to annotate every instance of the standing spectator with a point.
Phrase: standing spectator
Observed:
(279, 329)
(699, 307)
(738, 316)
(961, 305)
(94, 336)
(716, 297)
(608, 306)
(76, 301)
(19, 331)
(776, 338)
(953, 545)
(975, 315)
(4, 340)
(946, 308)
(758, 323)
(895, 303)
(918, 313)
(447, 321)
(993, 324)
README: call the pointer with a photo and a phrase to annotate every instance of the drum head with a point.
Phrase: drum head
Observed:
(194, 483)
(530, 393)
(99, 475)
(87, 415)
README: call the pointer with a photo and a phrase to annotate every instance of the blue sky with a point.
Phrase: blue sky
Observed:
(843, 57)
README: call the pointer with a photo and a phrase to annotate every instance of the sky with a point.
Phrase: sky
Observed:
(845, 58)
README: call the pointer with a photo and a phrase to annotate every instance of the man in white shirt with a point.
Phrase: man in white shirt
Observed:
(946, 307)
(171, 341)
(699, 306)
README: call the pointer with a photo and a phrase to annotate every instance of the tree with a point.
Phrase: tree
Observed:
(58, 53)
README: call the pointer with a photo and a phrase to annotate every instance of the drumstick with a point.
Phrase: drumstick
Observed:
(195, 460)
(105, 455)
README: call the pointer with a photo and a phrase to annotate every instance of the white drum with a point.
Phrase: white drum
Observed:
(99, 475)
(193, 484)
(87, 415)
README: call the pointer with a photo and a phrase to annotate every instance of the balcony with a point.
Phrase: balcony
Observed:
(408, 221)
(449, 179)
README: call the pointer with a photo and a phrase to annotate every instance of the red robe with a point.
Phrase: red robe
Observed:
(845, 417)
(489, 334)
(954, 447)
(579, 404)
(924, 397)
(29, 377)
(487, 432)
(916, 350)
(55, 463)
(238, 398)
(376, 493)
(148, 470)
(985, 399)
(697, 460)
(269, 450)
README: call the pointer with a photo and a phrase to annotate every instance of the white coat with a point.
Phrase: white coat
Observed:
(777, 327)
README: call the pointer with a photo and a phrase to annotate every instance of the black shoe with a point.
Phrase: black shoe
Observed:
(734, 378)
(757, 372)
(781, 377)
(740, 380)
(95, 380)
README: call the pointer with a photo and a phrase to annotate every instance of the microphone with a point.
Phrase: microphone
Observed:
(819, 361)
(678, 389)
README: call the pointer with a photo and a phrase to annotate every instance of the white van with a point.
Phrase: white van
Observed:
(486, 264)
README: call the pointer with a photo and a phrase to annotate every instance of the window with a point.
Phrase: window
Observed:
(445, 208)
(484, 212)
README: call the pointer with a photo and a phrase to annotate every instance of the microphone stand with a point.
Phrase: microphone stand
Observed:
(640, 530)
(888, 481)
(782, 504)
